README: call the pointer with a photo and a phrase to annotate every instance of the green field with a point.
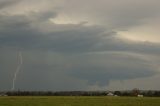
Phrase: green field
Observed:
(78, 101)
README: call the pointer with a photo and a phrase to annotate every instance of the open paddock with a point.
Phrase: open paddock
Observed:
(78, 101)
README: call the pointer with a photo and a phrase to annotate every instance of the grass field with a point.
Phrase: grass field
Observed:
(78, 101)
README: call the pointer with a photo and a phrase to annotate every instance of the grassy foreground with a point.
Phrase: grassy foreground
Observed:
(78, 101)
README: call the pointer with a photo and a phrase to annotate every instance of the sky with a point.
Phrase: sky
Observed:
(80, 44)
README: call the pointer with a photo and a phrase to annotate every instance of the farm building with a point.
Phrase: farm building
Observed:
(110, 94)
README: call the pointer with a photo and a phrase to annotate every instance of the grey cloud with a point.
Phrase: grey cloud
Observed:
(43, 78)
(120, 15)
(38, 72)
(6, 3)
(7, 67)
(20, 22)
(23, 31)
(21, 34)
(114, 43)
(101, 68)
(132, 13)
(42, 70)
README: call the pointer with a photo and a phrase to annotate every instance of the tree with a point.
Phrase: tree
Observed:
(135, 92)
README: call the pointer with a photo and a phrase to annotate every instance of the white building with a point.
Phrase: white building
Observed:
(139, 95)
(110, 94)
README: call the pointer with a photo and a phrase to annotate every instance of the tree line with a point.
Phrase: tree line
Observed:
(134, 92)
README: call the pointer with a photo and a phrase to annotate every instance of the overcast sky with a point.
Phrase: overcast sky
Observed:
(80, 44)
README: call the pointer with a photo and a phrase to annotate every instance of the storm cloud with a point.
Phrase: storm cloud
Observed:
(76, 45)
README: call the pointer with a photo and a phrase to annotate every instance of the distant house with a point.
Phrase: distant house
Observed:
(110, 94)
(139, 95)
